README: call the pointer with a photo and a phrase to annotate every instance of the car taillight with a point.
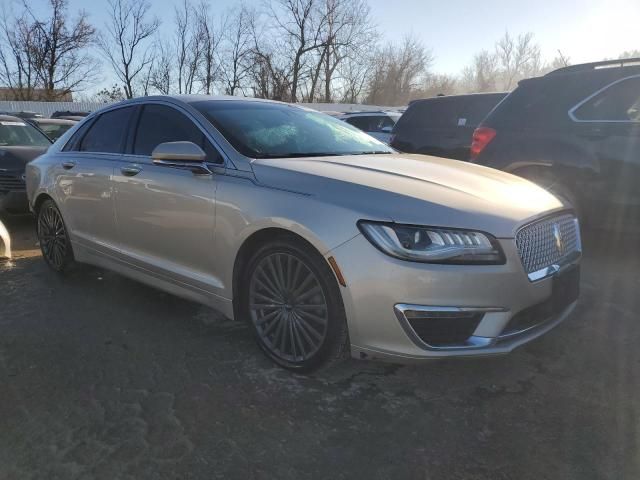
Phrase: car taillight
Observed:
(481, 138)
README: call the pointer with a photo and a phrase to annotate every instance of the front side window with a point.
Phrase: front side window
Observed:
(14, 133)
(159, 124)
(620, 103)
(274, 130)
(107, 134)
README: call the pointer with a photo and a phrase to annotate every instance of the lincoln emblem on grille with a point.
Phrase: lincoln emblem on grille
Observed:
(558, 237)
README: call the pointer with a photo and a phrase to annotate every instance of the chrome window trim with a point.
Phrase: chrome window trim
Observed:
(572, 110)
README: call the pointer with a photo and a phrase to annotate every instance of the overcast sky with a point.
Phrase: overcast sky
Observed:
(584, 30)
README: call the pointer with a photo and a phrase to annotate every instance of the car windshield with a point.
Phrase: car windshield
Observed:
(14, 133)
(54, 131)
(273, 130)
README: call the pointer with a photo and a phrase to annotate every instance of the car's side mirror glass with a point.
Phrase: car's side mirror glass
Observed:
(386, 129)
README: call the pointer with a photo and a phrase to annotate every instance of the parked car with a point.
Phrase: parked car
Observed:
(575, 131)
(69, 113)
(377, 124)
(443, 126)
(23, 115)
(19, 143)
(318, 235)
(52, 127)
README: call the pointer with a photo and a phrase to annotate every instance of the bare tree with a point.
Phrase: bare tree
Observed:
(57, 48)
(438, 84)
(18, 71)
(210, 38)
(188, 47)
(125, 42)
(482, 74)
(517, 58)
(237, 49)
(399, 71)
(347, 30)
(162, 71)
(300, 24)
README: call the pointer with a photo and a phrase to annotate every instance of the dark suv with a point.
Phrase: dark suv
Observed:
(575, 131)
(442, 126)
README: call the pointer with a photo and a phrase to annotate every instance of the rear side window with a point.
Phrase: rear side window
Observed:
(620, 103)
(107, 134)
(159, 124)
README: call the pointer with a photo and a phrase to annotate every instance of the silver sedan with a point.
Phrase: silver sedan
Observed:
(324, 239)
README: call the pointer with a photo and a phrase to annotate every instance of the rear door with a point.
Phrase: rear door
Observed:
(166, 215)
(83, 186)
(608, 122)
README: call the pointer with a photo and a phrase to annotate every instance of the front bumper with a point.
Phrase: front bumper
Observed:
(380, 289)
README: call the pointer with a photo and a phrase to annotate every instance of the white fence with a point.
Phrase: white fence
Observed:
(47, 108)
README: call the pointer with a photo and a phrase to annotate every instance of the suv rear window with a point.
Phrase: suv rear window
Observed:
(620, 103)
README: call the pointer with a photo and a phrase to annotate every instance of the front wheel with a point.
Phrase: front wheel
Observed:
(294, 304)
(53, 237)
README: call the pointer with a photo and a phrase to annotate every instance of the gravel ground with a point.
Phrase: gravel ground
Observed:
(101, 377)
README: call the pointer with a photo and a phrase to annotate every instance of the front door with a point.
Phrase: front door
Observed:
(166, 215)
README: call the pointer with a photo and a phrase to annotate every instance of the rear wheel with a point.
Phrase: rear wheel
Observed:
(53, 237)
(294, 305)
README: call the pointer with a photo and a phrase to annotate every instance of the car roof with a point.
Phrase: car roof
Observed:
(11, 118)
(465, 96)
(54, 121)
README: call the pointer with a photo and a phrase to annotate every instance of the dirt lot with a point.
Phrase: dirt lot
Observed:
(101, 377)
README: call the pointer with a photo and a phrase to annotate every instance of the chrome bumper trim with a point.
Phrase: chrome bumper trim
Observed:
(473, 342)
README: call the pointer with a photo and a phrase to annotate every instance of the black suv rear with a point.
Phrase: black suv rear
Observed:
(442, 126)
(575, 131)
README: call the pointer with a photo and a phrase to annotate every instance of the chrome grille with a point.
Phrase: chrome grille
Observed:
(11, 182)
(548, 242)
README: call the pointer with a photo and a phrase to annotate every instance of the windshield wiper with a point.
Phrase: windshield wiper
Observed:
(371, 152)
(299, 155)
(320, 154)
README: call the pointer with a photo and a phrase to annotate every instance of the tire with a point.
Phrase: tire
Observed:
(292, 300)
(54, 238)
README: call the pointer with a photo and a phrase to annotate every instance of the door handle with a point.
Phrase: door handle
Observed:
(130, 171)
(68, 165)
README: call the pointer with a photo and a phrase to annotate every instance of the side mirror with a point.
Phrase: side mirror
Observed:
(178, 152)
(386, 129)
(184, 155)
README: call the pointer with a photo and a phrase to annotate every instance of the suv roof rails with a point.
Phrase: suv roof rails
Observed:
(585, 67)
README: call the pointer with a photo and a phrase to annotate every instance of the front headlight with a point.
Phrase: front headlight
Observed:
(433, 244)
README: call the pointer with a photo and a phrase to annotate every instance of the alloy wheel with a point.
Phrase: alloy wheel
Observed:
(288, 307)
(52, 236)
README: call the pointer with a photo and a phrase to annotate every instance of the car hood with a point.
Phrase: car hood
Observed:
(15, 158)
(414, 189)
